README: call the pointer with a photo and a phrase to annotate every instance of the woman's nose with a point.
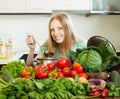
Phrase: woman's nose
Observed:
(56, 31)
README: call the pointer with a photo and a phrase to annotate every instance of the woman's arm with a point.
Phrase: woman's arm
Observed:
(30, 58)
(31, 44)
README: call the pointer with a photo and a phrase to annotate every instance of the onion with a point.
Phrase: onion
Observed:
(82, 80)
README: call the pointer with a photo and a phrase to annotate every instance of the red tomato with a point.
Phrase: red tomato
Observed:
(73, 73)
(66, 71)
(62, 62)
(50, 66)
(76, 66)
(85, 75)
(60, 74)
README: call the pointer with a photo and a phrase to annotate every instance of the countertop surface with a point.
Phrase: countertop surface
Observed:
(18, 56)
(102, 98)
(14, 57)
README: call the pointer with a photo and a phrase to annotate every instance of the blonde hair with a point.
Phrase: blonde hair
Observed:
(69, 40)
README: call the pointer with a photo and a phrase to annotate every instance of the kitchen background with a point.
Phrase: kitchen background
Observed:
(16, 26)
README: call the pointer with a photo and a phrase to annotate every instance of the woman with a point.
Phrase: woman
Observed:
(61, 39)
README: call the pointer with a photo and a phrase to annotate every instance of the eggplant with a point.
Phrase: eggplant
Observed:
(100, 75)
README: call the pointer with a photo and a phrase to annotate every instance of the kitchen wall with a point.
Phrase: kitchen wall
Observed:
(16, 27)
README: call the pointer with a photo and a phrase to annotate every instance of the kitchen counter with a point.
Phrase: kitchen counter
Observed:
(15, 57)
(19, 56)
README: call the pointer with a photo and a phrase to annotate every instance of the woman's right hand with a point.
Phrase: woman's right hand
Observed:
(31, 41)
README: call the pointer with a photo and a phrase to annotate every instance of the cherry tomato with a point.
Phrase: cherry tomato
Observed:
(50, 66)
(85, 75)
(76, 66)
(73, 73)
(63, 62)
(60, 74)
(66, 71)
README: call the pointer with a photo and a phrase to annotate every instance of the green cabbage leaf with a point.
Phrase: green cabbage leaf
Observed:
(91, 60)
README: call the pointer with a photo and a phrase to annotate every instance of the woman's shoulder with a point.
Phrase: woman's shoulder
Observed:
(81, 42)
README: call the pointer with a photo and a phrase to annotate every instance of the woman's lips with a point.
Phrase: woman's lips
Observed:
(58, 37)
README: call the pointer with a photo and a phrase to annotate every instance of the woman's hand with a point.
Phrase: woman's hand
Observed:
(31, 41)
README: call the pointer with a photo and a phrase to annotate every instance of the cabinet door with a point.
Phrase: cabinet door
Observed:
(71, 5)
(39, 6)
(12, 6)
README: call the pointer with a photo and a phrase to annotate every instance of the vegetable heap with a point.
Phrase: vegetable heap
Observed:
(96, 59)
(84, 76)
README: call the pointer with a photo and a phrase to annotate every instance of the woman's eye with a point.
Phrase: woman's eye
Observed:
(51, 30)
(60, 28)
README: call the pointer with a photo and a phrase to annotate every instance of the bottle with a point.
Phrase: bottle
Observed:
(1, 45)
(10, 43)
(8, 52)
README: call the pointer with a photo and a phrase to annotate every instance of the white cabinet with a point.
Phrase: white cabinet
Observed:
(25, 6)
(12, 6)
(39, 6)
(43, 6)
(71, 5)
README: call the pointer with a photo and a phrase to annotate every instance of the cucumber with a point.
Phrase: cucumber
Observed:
(115, 77)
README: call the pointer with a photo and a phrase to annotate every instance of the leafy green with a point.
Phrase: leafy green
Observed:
(61, 88)
(2, 96)
(114, 90)
(109, 55)
(96, 58)
(34, 95)
(13, 68)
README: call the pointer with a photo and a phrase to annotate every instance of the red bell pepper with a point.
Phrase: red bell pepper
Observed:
(41, 71)
(105, 93)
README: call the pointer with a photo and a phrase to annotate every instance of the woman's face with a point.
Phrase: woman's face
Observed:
(57, 31)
